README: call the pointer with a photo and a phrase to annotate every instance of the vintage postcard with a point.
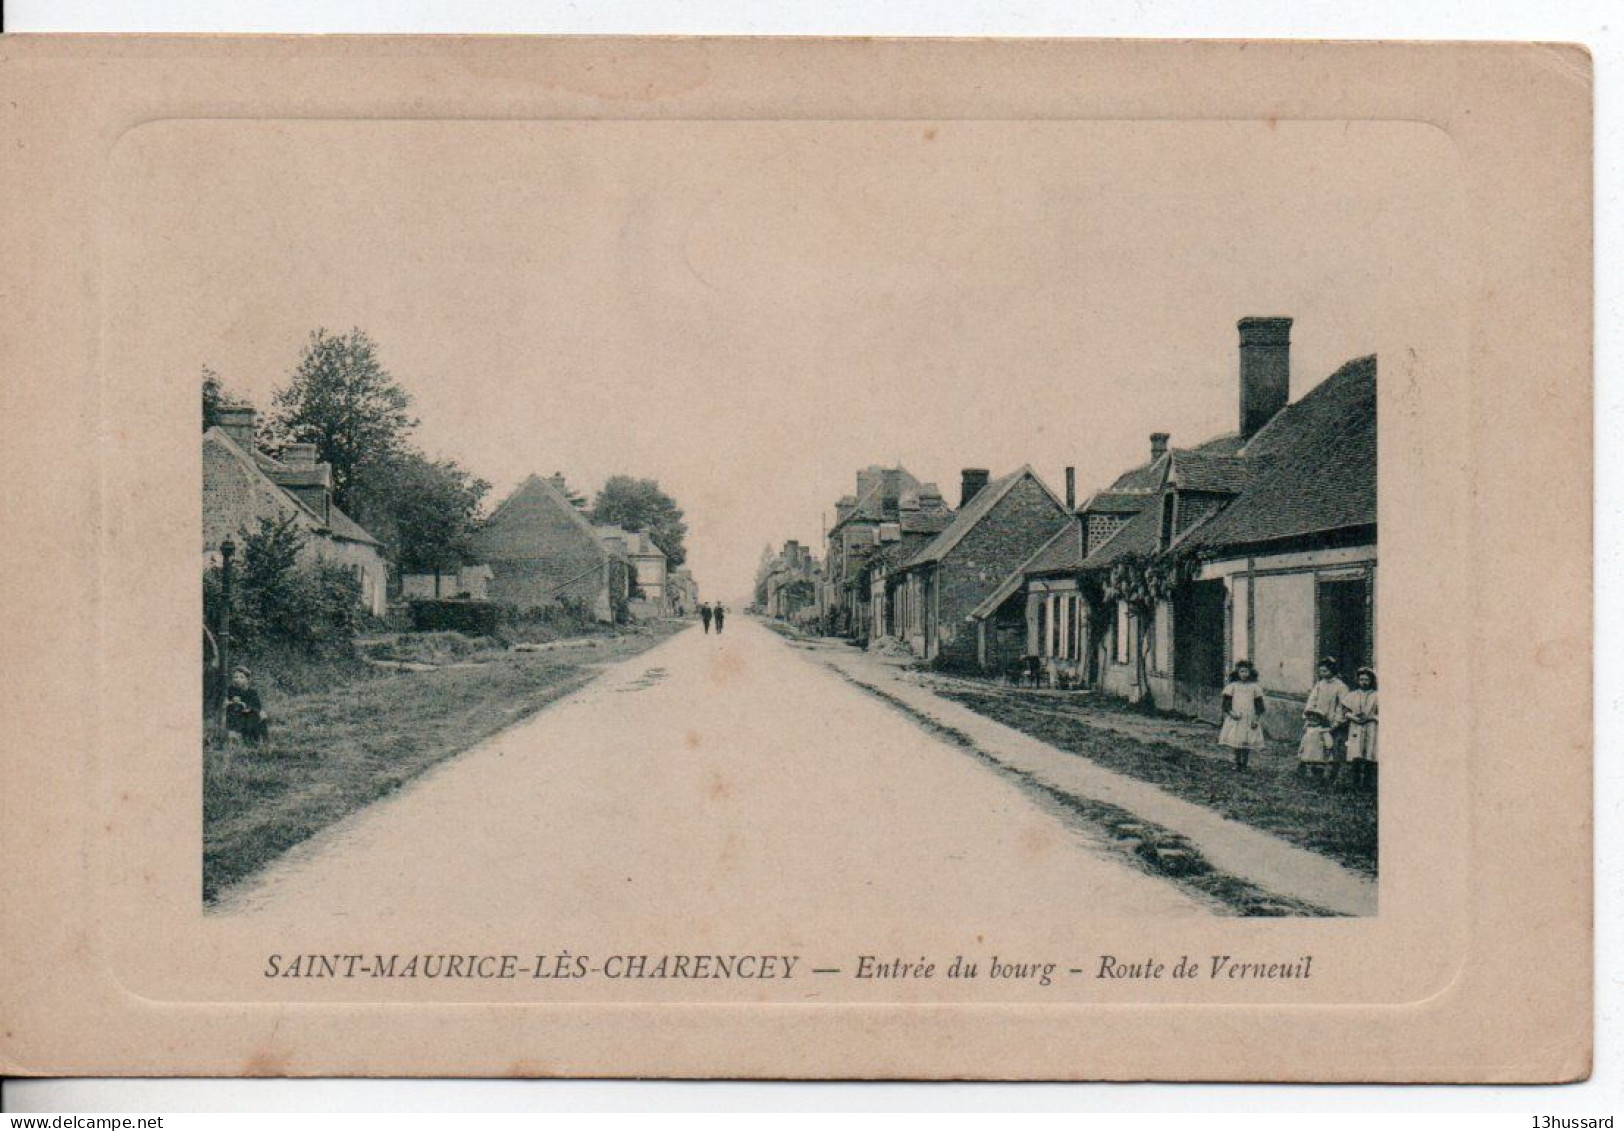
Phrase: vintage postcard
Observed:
(1055, 560)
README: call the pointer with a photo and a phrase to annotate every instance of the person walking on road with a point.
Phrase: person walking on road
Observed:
(717, 614)
(705, 616)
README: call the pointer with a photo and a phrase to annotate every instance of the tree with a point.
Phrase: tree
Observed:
(341, 399)
(1142, 581)
(214, 396)
(424, 511)
(638, 505)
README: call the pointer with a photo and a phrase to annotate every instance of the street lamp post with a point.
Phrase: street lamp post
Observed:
(228, 550)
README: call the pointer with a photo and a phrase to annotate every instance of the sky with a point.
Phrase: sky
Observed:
(749, 312)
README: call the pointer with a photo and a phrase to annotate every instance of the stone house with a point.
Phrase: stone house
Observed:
(542, 551)
(242, 484)
(998, 526)
(791, 584)
(682, 590)
(919, 520)
(1271, 532)
(862, 521)
(648, 569)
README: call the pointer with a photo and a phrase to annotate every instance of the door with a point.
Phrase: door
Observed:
(1342, 607)
(1198, 639)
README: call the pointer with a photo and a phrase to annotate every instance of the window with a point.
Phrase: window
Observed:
(1124, 630)
(1169, 504)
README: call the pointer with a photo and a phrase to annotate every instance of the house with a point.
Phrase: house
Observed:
(921, 516)
(998, 526)
(1265, 541)
(242, 485)
(864, 522)
(682, 590)
(648, 569)
(791, 583)
(541, 551)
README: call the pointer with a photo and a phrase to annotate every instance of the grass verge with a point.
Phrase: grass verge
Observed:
(1340, 824)
(334, 751)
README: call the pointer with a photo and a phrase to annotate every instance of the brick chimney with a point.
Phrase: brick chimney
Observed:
(974, 479)
(1265, 371)
(237, 421)
(1071, 489)
(299, 455)
(1158, 445)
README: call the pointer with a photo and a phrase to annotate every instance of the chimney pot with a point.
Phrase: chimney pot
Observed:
(1071, 488)
(1158, 445)
(974, 479)
(1265, 371)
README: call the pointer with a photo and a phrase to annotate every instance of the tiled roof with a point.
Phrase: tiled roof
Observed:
(1314, 466)
(925, 522)
(343, 526)
(1202, 471)
(1117, 502)
(1141, 534)
(1146, 477)
(515, 529)
(972, 513)
(1062, 553)
(337, 523)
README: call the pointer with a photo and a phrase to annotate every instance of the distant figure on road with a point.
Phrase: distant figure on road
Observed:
(705, 616)
(718, 614)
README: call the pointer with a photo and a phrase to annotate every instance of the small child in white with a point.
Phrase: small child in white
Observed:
(1242, 731)
(1322, 717)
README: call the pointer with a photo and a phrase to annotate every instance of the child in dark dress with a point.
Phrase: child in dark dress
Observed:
(245, 718)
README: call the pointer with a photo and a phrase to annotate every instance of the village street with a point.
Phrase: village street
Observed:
(730, 787)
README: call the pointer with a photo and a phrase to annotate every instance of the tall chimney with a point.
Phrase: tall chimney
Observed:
(975, 478)
(1158, 445)
(1265, 371)
(1071, 489)
(237, 421)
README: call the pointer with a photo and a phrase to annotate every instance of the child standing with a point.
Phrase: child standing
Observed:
(1322, 718)
(1360, 707)
(1242, 731)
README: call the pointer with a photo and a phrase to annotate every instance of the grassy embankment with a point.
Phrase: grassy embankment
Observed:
(1338, 823)
(344, 734)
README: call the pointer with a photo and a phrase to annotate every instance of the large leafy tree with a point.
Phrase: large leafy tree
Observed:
(639, 505)
(342, 399)
(424, 511)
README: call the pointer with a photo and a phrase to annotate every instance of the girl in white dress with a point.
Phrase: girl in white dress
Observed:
(1322, 719)
(1242, 731)
(1360, 707)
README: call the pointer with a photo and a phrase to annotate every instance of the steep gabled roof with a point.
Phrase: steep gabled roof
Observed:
(1061, 554)
(263, 470)
(971, 514)
(1314, 466)
(534, 489)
